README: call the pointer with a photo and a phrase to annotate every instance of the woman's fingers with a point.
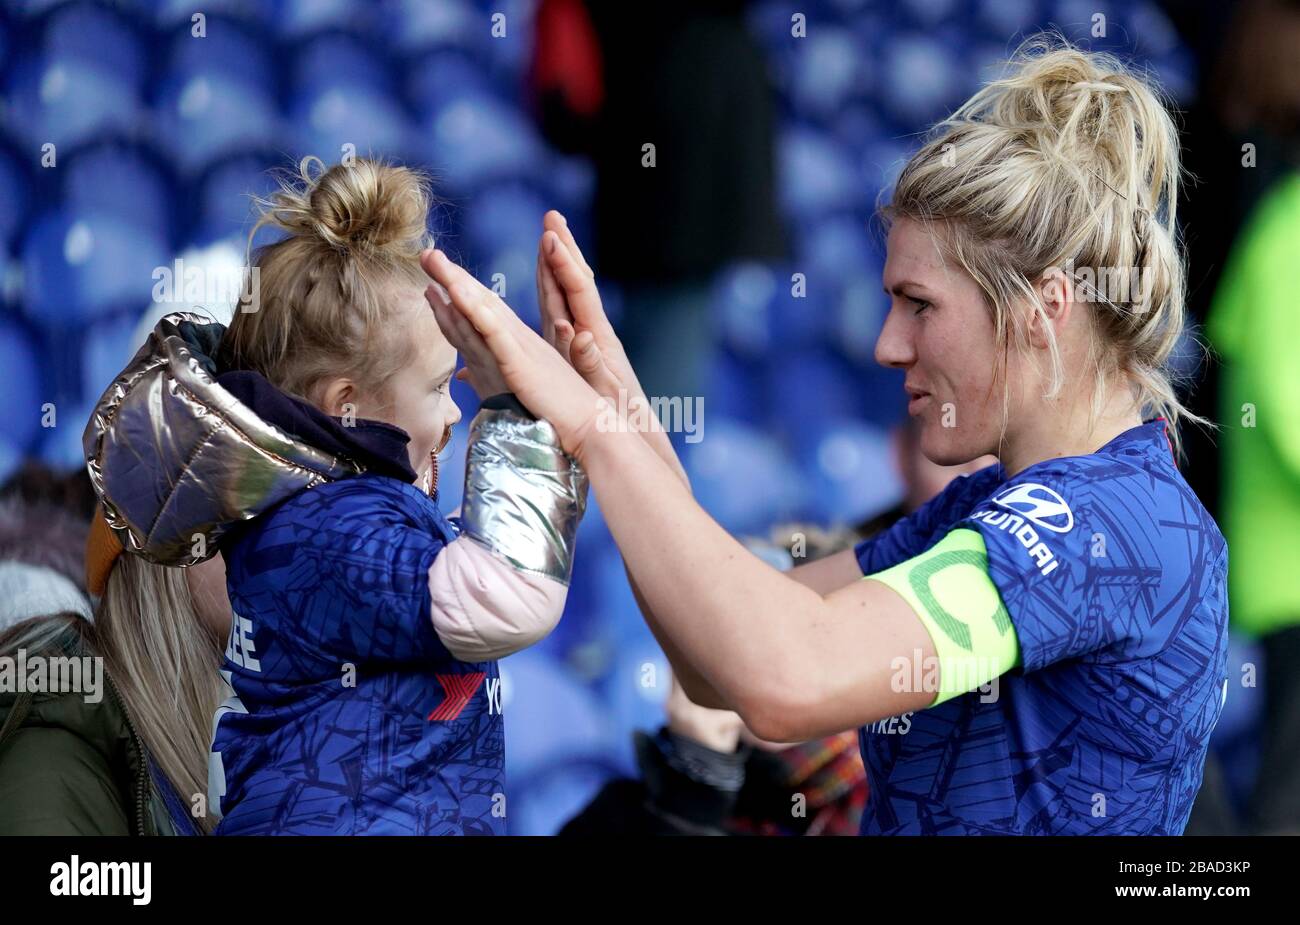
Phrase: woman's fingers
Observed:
(492, 326)
(554, 221)
(586, 357)
(579, 288)
(564, 335)
(455, 278)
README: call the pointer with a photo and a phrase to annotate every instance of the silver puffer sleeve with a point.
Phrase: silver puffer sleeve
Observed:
(524, 496)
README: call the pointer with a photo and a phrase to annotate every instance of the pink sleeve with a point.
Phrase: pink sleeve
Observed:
(484, 608)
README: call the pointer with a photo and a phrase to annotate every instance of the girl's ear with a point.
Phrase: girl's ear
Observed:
(338, 396)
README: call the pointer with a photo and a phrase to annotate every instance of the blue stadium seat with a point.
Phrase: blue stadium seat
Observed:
(733, 389)
(7, 37)
(542, 801)
(439, 78)
(25, 388)
(325, 122)
(474, 139)
(106, 348)
(15, 194)
(849, 470)
(502, 228)
(78, 266)
(296, 18)
(835, 247)
(806, 387)
(770, 490)
(122, 180)
(815, 175)
(859, 313)
(826, 72)
(550, 715)
(414, 25)
(922, 76)
(230, 49)
(636, 690)
(339, 59)
(205, 117)
(217, 96)
(255, 13)
(761, 307)
(1001, 20)
(60, 446)
(224, 195)
(65, 101)
(505, 215)
(929, 13)
(97, 36)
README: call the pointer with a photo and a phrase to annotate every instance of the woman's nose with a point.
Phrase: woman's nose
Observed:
(894, 345)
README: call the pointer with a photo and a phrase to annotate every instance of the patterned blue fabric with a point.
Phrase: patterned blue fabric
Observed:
(1114, 576)
(347, 714)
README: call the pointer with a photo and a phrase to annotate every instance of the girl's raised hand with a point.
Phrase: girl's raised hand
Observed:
(495, 343)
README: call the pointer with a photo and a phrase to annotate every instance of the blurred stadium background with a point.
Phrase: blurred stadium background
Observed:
(159, 139)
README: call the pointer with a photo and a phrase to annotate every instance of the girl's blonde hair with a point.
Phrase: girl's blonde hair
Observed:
(320, 304)
(1069, 162)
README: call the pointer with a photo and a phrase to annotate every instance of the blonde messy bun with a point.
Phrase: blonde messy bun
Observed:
(1068, 162)
(325, 295)
(365, 206)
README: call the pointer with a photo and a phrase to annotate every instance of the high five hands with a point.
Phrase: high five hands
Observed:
(567, 374)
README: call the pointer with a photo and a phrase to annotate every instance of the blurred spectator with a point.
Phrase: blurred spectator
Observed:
(1255, 324)
(1244, 229)
(44, 518)
(691, 81)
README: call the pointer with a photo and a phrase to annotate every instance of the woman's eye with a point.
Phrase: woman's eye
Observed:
(920, 305)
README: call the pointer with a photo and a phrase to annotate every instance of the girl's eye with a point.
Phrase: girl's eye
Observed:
(443, 386)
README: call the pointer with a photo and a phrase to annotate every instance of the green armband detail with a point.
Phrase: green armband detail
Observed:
(949, 588)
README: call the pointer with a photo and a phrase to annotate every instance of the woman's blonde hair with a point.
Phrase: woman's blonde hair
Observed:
(160, 657)
(1069, 162)
(165, 662)
(320, 304)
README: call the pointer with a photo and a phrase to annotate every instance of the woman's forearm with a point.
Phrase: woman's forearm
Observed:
(730, 615)
(697, 688)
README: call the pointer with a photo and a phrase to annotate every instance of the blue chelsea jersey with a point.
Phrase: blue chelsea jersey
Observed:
(1114, 577)
(346, 714)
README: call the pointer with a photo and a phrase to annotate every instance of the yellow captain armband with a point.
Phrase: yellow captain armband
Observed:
(949, 588)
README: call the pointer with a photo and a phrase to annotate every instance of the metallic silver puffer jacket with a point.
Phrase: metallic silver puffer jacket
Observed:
(177, 460)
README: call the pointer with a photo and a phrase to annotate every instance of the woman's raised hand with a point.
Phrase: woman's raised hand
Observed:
(497, 346)
(575, 324)
(573, 318)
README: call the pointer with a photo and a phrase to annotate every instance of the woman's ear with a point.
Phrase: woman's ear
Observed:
(1056, 299)
(338, 397)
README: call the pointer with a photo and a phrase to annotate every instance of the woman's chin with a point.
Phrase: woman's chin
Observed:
(942, 446)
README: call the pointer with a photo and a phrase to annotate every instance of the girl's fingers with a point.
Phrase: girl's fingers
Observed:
(551, 299)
